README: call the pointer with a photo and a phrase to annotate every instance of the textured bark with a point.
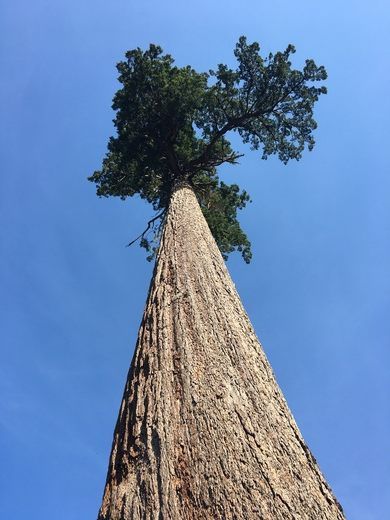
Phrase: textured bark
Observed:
(203, 430)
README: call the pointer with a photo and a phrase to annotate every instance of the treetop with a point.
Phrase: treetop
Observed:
(173, 123)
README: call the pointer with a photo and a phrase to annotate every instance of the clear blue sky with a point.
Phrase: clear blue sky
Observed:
(317, 291)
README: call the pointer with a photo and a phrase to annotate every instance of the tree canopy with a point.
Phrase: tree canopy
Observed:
(172, 125)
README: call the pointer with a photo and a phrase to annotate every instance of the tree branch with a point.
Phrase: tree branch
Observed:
(238, 121)
(151, 221)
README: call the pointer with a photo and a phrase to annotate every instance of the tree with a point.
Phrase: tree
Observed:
(203, 429)
(173, 122)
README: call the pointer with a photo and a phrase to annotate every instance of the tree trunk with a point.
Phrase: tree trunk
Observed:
(203, 429)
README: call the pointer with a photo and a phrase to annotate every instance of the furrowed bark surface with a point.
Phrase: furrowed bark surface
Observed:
(203, 430)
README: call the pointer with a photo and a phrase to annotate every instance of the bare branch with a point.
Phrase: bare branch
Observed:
(149, 224)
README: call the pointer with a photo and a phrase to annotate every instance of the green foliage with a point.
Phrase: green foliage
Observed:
(219, 206)
(172, 125)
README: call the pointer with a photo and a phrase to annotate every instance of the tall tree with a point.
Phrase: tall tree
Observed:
(203, 429)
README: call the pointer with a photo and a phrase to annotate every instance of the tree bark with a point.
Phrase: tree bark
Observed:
(203, 430)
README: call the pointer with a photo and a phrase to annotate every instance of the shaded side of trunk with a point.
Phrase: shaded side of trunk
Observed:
(203, 430)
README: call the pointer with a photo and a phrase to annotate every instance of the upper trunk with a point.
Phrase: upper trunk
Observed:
(203, 430)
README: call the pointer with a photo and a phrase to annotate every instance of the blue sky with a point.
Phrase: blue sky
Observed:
(317, 291)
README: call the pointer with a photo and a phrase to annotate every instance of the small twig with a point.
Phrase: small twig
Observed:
(147, 227)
